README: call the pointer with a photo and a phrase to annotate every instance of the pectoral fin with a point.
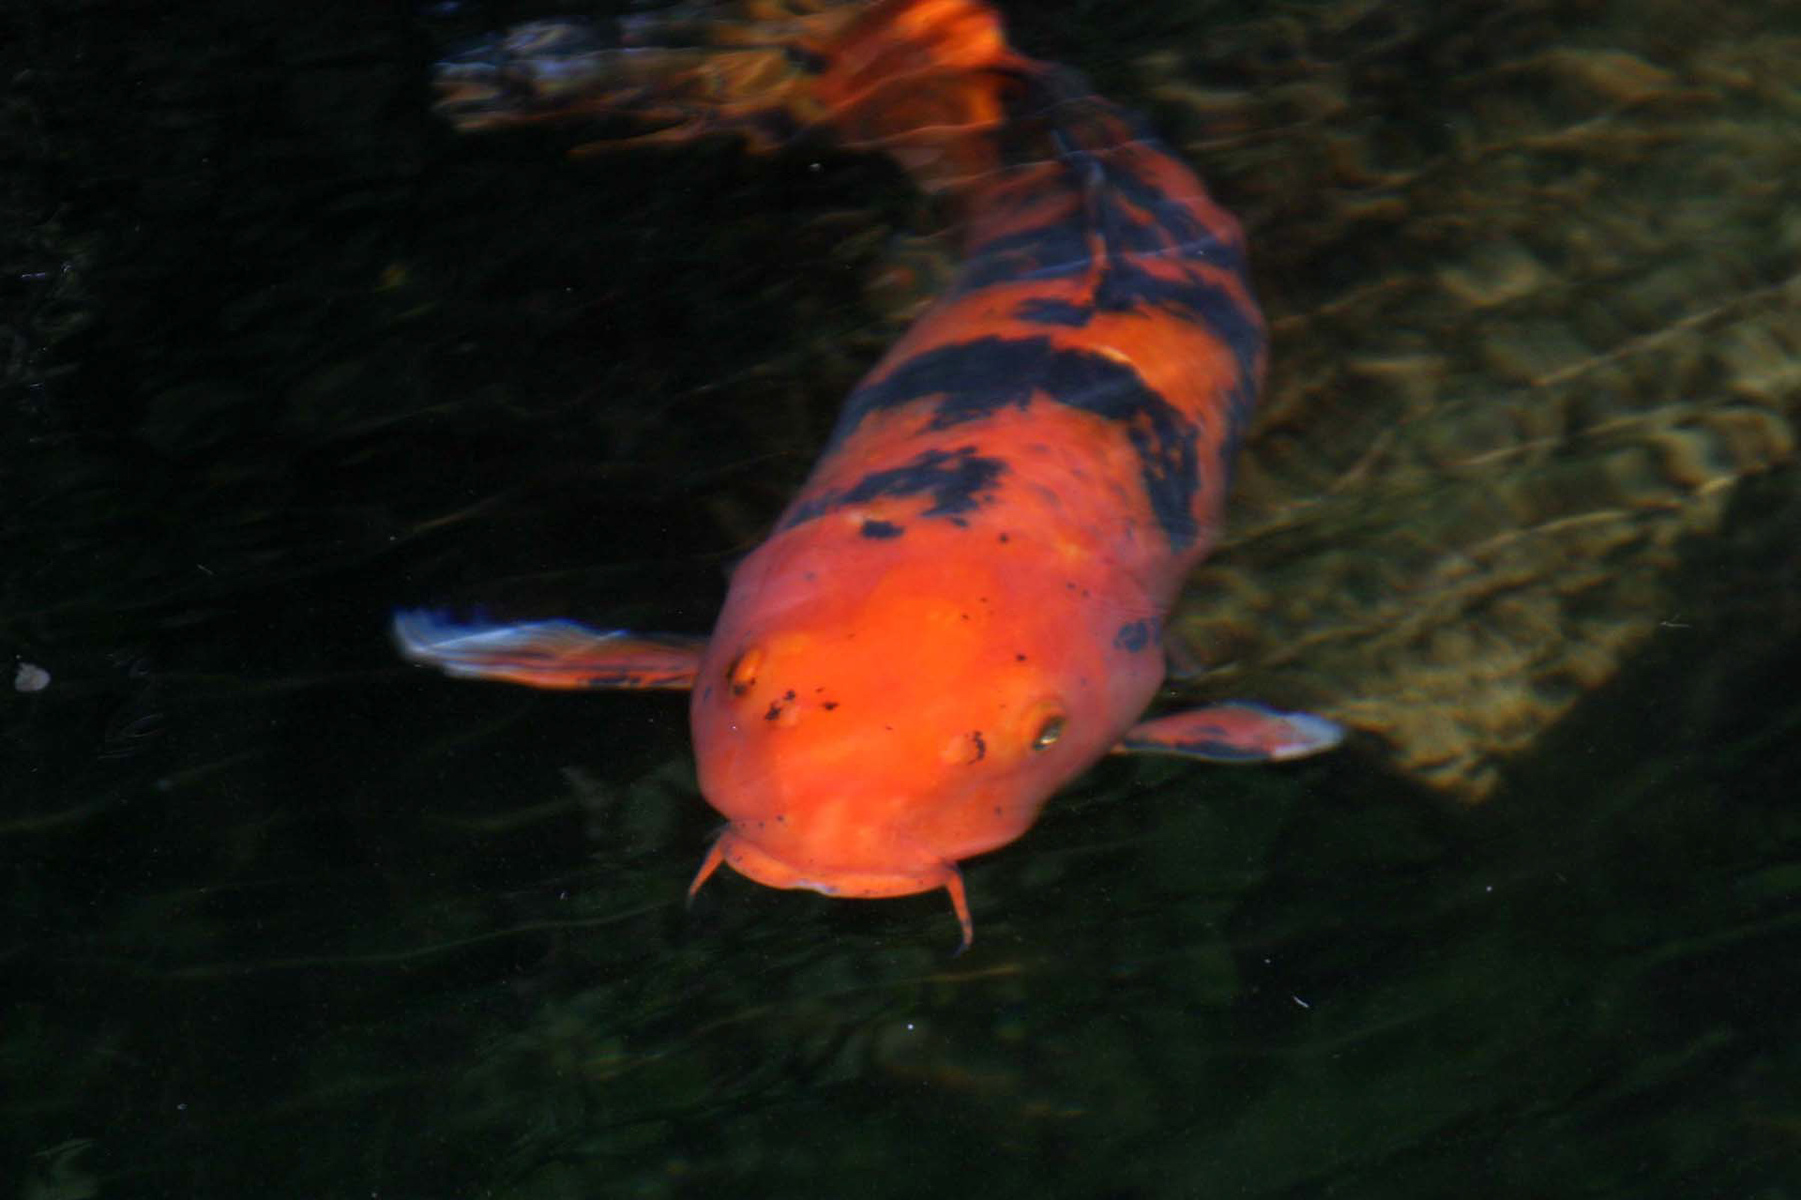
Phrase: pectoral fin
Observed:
(548, 654)
(1233, 733)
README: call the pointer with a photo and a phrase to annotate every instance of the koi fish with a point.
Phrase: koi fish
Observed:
(962, 609)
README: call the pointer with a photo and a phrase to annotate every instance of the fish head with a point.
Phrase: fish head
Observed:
(866, 718)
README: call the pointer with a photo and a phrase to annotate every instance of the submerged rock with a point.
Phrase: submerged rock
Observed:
(1536, 308)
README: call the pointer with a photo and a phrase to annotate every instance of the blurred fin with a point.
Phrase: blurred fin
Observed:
(547, 654)
(1235, 732)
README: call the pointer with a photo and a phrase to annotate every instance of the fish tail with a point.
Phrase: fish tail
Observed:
(932, 83)
(677, 74)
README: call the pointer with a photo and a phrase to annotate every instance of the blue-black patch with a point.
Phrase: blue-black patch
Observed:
(1136, 635)
(881, 529)
(978, 378)
(1054, 312)
(957, 481)
(1125, 286)
(1088, 134)
(1241, 403)
(1130, 220)
(1168, 226)
(1061, 251)
(1055, 251)
(1182, 232)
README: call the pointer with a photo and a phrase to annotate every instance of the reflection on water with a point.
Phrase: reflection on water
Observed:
(285, 917)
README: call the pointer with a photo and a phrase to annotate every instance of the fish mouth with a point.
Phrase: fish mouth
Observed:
(757, 863)
(761, 865)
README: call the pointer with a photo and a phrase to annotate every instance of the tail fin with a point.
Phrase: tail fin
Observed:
(933, 83)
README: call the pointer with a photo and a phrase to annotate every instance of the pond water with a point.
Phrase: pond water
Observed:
(288, 917)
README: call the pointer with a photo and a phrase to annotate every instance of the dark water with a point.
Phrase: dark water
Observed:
(287, 918)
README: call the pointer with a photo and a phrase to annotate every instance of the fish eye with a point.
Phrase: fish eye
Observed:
(741, 676)
(1048, 733)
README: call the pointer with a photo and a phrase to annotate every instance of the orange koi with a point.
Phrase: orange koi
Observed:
(962, 609)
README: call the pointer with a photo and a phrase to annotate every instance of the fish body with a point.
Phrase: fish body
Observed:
(962, 608)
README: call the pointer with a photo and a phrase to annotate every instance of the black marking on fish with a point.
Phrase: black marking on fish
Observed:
(1136, 635)
(956, 481)
(1054, 312)
(977, 378)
